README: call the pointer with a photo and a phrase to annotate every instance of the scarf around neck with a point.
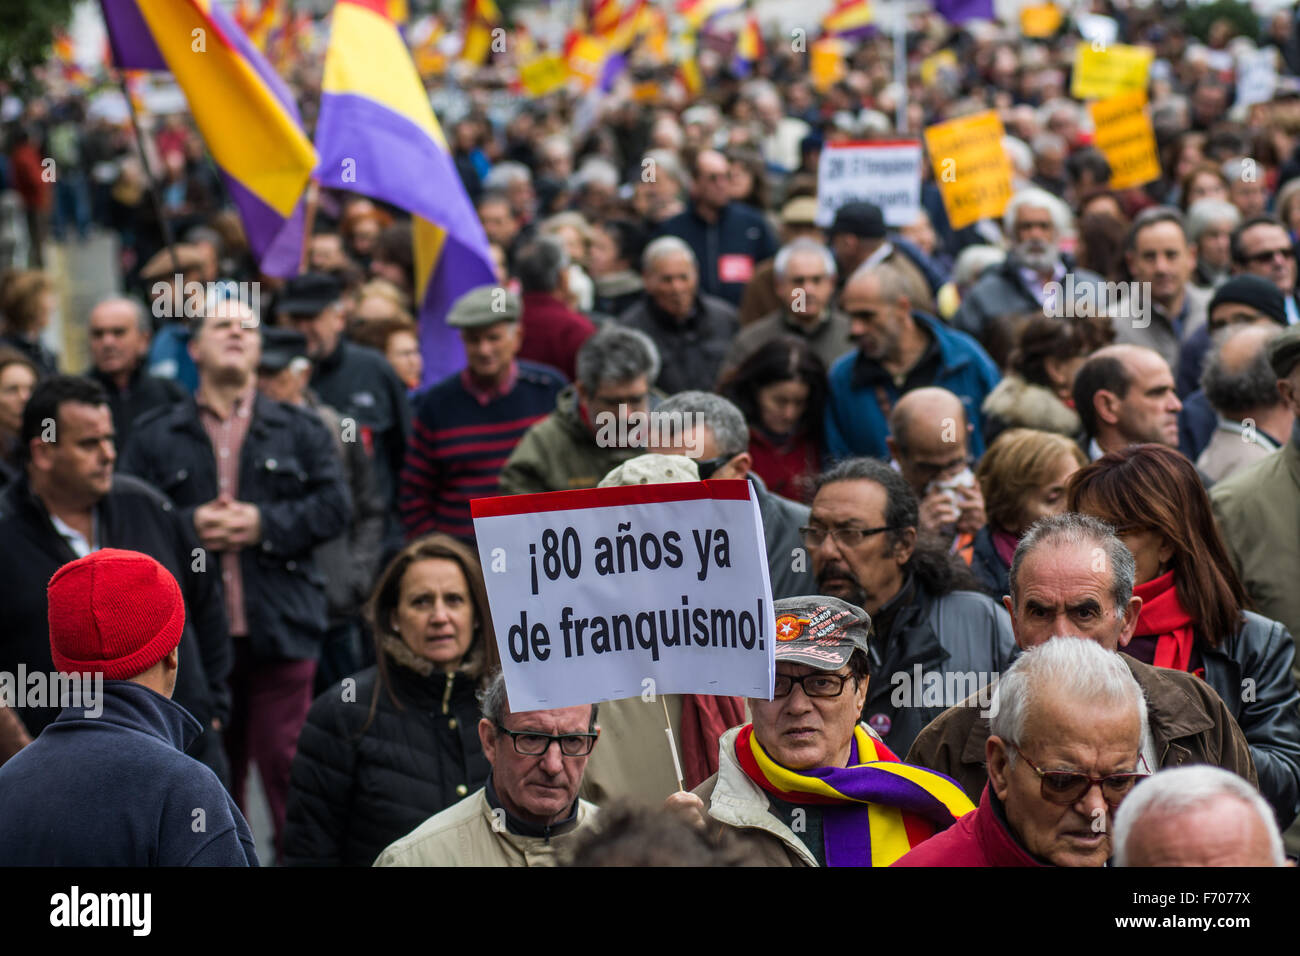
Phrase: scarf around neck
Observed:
(876, 809)
(1164, 617)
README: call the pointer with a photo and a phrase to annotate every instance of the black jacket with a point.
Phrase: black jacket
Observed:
(352, 793)
(691, 352)
(46, 362)
(143, 393)
(288, 468)
(987, 566)
(135, 517)
(1251, 671)
(726, 251)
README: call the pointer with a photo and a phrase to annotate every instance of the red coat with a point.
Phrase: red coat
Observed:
(26, 172)
(787, 470)
(553, 332)
(977, 839)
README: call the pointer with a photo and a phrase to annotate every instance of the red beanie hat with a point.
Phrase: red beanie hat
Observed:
(114, 612)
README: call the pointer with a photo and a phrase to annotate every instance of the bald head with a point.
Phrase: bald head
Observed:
(1244, 345)
(1124, 395)
(927, 435)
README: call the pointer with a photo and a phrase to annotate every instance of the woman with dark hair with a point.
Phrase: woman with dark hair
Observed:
(1035, 392)
(781, 389)
(391, 746)
(614, 261)
(1193, 615)
(18, 376)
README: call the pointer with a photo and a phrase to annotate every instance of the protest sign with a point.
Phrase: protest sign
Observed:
(887, 173)
(608, 593)
(544, 74)
(1256, 76)
(971, 167)
(826, 63)
(1112, 70)
(1124, 134)
(1040, 21)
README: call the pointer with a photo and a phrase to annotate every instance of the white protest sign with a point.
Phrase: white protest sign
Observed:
(1256, 77)
(1096, 29)
(608, 593)
(886, 173)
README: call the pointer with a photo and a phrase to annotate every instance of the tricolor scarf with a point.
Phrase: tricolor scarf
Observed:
(1164, 617)
(877, 808)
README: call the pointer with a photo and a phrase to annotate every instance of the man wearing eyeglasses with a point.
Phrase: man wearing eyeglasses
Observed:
(932, 630)
(1261, 246)
(529, 810)
(806, 784)
(1064, 752)
(1073, 577)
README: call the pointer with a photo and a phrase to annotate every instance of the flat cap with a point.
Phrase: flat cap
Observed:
(1284, 353)
(484, 306)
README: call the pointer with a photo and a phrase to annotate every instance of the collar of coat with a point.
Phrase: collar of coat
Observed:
(267, 415)
(523, 828)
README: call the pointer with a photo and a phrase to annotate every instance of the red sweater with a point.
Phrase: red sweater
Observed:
(786, 469)
(977, 839)
(553, 332)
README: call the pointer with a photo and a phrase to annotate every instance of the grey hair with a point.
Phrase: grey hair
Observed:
(802, 244)
(494, 705)
(665, 160)
(616, 354)
(724, 419)
(540, 264)
(665, 246)
(1234, 392)
(1080, 531)
(973, 260)
(595, 171)
(1204, 213)
(1048, 140)
(506, 174)
(893, 283)
(1071, 669)
(1040, 199)
(1180, 789)
(143, 322)
(1232, 168)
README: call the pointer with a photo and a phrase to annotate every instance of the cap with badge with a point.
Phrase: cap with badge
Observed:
(1284, 352)
(483, 306)
(820, 631)
(309, 294)
(280, 347)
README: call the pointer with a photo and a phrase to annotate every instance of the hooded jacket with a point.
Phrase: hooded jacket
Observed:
(115, 789)
(1187, 720)
(359, 784)
(560, 452)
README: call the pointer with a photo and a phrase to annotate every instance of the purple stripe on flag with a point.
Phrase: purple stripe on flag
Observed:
(128, 34)
(256, 60)
(614, 65)
(959, 11)
(276, 242)
(459, 269)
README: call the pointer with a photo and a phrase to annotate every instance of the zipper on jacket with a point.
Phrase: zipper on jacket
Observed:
(446, 693)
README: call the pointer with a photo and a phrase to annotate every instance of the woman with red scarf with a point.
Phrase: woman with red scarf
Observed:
(1193, 615)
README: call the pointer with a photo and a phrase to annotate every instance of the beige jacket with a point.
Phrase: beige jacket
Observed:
(463, 835)
(631, 762)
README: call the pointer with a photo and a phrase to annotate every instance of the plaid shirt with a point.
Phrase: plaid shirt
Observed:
(227, 437)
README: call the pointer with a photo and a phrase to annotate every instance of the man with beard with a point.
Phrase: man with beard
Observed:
(933, 635)
(1034, 220)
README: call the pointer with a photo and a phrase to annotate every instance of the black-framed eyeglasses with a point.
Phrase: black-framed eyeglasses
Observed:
(814, 684)
(532, 744)
(844, 537)
(709, 467)
(1065, 787)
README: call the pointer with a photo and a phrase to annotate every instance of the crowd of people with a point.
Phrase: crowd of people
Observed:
(1081, 525)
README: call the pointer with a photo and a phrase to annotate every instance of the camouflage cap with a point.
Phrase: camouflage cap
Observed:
(484, 306)
(652, 470)
(1284, 352)
(820, 631)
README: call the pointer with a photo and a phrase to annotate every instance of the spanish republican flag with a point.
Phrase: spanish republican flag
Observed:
(849, 19)
(377, 135)
(749, 47)
(700, 12)
(481, 17)
(245, 113)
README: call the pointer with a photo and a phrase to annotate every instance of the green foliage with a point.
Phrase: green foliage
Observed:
(27, 32)
(1199, 19)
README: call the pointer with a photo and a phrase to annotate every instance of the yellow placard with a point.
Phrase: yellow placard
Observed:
(971, 167)
(1116, 69)
(585, 60)
(826, 65)
(931, 65)
(544, 74)
(1042, 20)
(1124, 134)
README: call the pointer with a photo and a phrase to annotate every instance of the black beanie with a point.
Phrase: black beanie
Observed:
(1254, 291)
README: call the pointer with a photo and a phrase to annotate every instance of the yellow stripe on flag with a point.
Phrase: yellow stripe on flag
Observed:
(428, 240)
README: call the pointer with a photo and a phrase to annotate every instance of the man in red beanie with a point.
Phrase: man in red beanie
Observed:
(108, 783)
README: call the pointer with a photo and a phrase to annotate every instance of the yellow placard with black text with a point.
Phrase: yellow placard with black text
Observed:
(1114, 69)
(971, 167)
(544, 74)
(1124, 134)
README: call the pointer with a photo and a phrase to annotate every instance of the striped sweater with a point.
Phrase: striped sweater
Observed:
(459, 445)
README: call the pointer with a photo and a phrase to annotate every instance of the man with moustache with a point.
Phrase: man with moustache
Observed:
(929, 620)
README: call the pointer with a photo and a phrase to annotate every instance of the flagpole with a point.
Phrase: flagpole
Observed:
(900, 66)
(168, 239)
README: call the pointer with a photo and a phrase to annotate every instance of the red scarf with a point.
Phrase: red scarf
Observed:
(1164, 617)
(705, 718)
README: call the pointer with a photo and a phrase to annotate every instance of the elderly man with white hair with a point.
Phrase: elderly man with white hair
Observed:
(1067, 722)
(1210, 223)
(1196, 816)
(692, 330)
(1035, 222)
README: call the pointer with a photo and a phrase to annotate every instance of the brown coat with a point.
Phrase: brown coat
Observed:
(1188, 720)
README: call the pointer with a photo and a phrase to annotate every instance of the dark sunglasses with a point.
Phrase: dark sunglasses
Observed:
(709, 467)
(1065, 787)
